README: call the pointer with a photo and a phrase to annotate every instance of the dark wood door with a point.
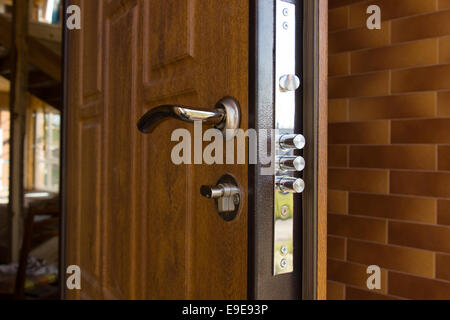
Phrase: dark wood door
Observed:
(136, 223)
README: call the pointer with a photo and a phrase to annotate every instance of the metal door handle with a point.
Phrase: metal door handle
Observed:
(226, 115)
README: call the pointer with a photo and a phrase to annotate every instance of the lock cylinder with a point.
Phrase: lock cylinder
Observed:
(227, 196)
(220, 191)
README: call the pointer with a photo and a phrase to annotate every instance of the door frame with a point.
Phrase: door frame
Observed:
(63, 156)
(310, 232)
(316, 131)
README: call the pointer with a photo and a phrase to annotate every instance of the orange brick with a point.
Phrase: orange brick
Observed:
(420, 27)
(337, 19)
(353, 274)
(422, 236)
(393, 207)
(419, 53)
(414, 105)
(444, 212)
(336, 247)
(421, 79)
(444, 4)
(444, 104)
(421, 131)
(409, 260)
(335, 291)
(337, 201)
(418, 288)
(361, 38)
(443, 266)
(421, 157)
(389, 10)
(366, 85)
(376, 132)
(375, 181)
(444, 50)
(433, 184)
(337, 110)
(359, 294)
(337, 156)
(357, 227)
(444, 157)
(338, 64)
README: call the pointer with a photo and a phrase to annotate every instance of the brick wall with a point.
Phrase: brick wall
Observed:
(389, 149)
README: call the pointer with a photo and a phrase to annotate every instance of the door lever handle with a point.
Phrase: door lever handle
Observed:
(226, 115)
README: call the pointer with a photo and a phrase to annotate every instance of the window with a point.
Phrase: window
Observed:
(47, 150)
(46, 11)
(4, 156)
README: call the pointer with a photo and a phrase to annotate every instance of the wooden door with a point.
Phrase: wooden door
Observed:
(136, 223)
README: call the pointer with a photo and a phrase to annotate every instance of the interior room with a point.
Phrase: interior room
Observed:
(30, 184)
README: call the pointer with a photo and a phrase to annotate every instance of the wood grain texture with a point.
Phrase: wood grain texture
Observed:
(322, 153)
(136, 223)
(5, 36)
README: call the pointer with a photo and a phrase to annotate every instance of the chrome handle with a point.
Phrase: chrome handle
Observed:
(152, 118)
(224, 116)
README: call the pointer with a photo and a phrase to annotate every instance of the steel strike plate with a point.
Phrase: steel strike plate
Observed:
(286, 82)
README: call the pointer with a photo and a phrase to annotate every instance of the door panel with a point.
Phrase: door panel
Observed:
(136, 223)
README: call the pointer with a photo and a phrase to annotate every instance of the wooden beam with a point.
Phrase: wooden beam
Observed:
(45, 31)
(18, 108)
(315, 130)
(5, 26)
(34, 105)
(4, 100)
(44, 58)
(322, 137)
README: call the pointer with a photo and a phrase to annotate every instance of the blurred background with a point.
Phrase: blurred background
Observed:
(30, 88)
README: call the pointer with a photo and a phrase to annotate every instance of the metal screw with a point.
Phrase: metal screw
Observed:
(283, 263)
(284, 250)
(284, 211)
(285, 11)
(285, 25)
